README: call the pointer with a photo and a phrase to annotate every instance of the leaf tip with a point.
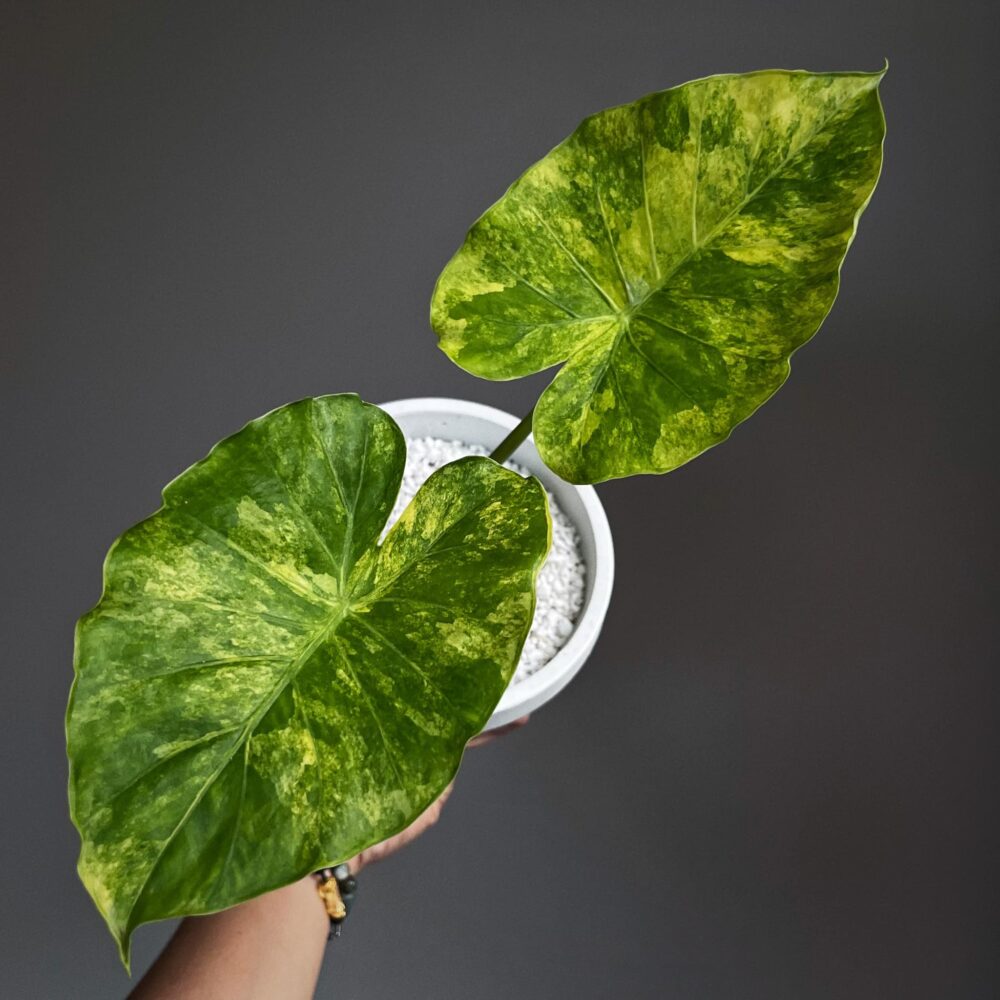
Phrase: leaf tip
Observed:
(123, 938)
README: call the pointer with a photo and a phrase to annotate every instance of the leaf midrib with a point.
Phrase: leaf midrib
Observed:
(623, 314)
(327, 628)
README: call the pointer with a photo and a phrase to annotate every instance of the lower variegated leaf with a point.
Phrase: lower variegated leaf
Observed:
(264, 688)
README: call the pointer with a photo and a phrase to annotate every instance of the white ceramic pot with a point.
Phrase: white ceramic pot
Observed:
(473, 423)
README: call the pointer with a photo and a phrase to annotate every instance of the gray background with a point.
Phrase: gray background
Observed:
(773, 778)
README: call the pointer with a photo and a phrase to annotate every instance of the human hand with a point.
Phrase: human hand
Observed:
(271, 945)
(430, 816)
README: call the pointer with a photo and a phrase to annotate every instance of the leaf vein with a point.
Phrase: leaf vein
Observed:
(656, 368)
(296, 588)
(576, 263)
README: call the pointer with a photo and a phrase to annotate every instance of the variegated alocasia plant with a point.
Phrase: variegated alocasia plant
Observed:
(265, 688)
(671, 254)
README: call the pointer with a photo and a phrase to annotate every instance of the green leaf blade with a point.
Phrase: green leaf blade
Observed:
(673, 253)
(251, 699)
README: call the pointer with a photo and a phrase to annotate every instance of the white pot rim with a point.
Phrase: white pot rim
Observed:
(587, 514)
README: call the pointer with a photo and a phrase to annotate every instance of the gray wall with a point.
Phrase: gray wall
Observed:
(772, 779)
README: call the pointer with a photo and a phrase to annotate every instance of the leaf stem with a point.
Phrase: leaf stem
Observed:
(511, 442)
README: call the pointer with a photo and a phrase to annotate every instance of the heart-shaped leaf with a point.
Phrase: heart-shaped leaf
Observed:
(264, 689)
(673, 253)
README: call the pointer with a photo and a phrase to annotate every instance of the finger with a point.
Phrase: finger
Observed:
(386, 848)
(493, 734)
(443, 797)
(429, 816)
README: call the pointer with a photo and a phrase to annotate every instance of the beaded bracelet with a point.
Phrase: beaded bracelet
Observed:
(336, 887)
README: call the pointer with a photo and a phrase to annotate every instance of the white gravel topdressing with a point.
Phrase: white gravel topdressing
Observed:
(562, 578)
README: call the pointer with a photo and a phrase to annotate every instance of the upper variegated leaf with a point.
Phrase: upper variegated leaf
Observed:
(673, 253)
(264, 689)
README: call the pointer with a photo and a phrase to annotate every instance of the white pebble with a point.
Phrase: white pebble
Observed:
(562, 579)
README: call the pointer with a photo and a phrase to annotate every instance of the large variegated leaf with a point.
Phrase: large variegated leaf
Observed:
(673, 253)
(265, 689)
